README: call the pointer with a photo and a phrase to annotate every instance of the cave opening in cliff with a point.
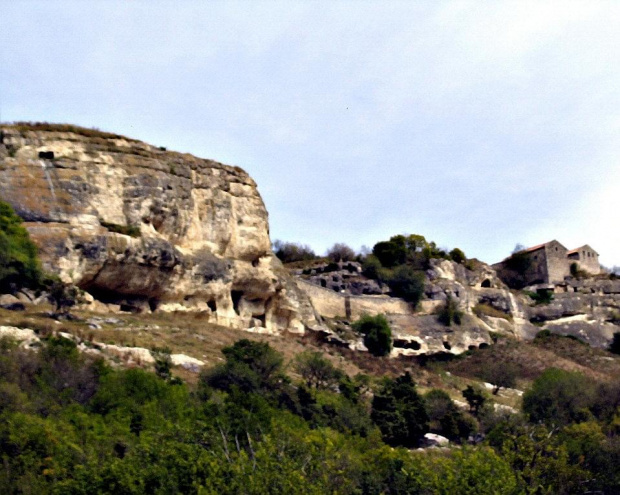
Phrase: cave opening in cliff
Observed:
(236, 297)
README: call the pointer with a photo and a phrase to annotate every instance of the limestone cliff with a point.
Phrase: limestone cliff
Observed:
(145, 228)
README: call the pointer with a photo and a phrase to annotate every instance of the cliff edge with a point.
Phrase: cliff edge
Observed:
(148, 229)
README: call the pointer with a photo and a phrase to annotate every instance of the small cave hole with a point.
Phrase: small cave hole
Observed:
(153, 304)
(212, 306)
(447, 346)
(486, 284)
(236, 297)
(407, 344)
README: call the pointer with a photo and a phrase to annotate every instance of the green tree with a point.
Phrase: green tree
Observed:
(559, 397)
(316, 370)
(501, 374)
(445, 418)
(400, 412)
(250, 366)
(377, 334)
(19, 264)
(457, 255)
(476, 399)
(408, 284)
(289, 252)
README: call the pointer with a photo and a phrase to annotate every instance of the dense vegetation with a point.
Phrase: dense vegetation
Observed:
(71, 424)
(19, 264)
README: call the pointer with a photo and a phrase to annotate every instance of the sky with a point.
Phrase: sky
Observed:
(480, 125)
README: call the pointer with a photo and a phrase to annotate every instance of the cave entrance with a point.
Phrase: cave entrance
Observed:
(236, 298)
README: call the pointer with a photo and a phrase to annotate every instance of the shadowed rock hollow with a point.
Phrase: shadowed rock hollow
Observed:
(145, 228)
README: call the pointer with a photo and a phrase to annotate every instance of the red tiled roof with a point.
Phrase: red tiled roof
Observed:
(535, 248)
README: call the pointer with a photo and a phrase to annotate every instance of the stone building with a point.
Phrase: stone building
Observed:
(586, 259)
(550, 263)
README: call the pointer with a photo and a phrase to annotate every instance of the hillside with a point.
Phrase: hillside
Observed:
(162, 347)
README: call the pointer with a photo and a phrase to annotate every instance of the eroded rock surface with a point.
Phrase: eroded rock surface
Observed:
(145, 229)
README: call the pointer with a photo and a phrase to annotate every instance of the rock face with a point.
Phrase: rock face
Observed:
(145, 228)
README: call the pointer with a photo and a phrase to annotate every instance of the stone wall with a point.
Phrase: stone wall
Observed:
(331, 304)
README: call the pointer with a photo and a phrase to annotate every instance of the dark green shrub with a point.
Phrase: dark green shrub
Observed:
(407, 284)
(19, 264)
(399, 412)
(377, 334)
(316, 370)
(371, 267)
(476, 399)
(449, 313)
(541, 297)
(457, 255)
(500, 374)
(289, 252)
(445, 418)
(250, 367)
(559, 397)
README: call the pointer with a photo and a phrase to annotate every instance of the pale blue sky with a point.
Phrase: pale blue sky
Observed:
(477, 124)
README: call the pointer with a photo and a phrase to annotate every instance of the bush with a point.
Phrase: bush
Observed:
(445, 418)
(476, 399)
(501, 375)
(250, 367)
(449, 313)
(457, 255)
(19, 264)
(559, 397)
(289, 252)
(340, 252)
(377, 334)
(408, 284)
(317, 371)
(399, 412)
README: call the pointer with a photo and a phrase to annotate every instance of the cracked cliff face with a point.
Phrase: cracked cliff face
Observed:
(151, 229)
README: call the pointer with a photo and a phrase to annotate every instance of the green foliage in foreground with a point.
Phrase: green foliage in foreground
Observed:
(19, 264)
(69, 424)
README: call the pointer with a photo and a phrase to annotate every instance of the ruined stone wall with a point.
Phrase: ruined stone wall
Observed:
(331, 304)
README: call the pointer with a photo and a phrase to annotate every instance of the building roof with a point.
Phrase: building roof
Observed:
(585, 246)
